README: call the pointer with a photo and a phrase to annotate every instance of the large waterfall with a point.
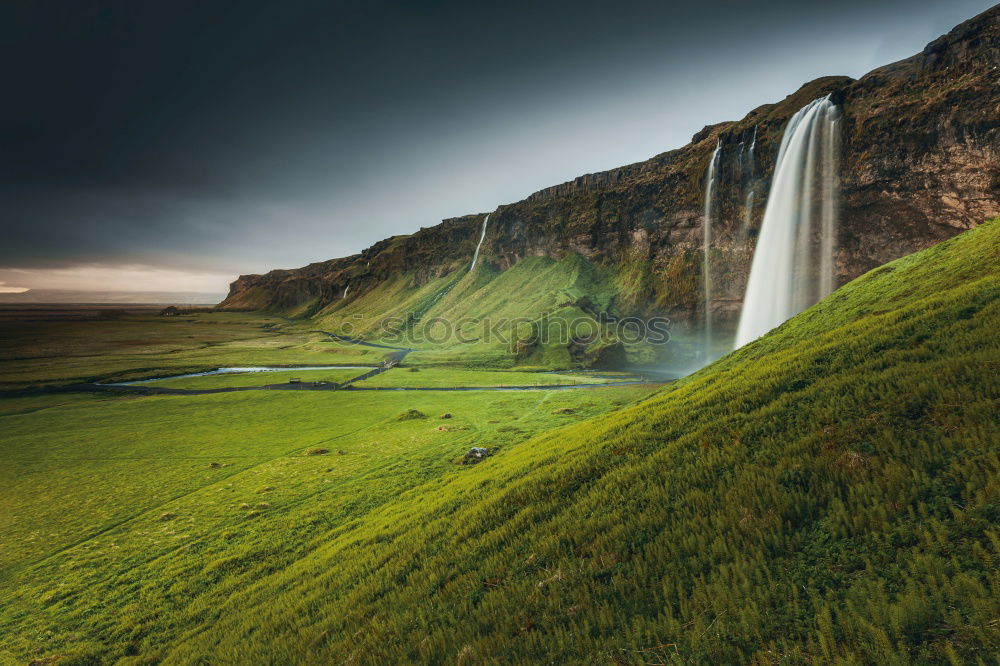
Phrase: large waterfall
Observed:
(793, 261)
(475, 256)
(710, 186)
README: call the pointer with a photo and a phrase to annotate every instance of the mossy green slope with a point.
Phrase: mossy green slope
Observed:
(494, 318)
(829, 493)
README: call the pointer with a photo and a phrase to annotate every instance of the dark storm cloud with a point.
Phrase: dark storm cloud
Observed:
(251, 134)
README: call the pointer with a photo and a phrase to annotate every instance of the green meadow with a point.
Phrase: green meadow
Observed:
(827, 494)
(403, 377)
(442, 377)
(149, 479)
(138, 346)
(231, 380)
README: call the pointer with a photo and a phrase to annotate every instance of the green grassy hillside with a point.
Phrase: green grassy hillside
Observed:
(119, 510)
(829, 493)
(513, 306)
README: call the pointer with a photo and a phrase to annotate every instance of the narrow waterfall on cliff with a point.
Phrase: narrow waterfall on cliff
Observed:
(345, 291)
(710, 187)
(746, 175)
(793, 262)
(475, 256)
(747, 215)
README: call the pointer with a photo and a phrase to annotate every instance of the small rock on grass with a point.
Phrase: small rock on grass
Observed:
(475, 455)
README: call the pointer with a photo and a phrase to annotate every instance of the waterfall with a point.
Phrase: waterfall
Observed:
(791, 268)
(747, 216)
(710, 183)
(482, 235)
(345, 291)
(747, 182)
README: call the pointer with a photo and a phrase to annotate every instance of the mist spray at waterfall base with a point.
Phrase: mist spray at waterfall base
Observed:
(793, 262)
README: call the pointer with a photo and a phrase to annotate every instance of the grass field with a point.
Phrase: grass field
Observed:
(153, 477)
(36, 353)
(828, 494)
(404, 377)
(124, 455)
(213, 480)
(224, 380)
(451, 376)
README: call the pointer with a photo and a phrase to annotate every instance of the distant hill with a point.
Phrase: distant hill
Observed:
(111, 297)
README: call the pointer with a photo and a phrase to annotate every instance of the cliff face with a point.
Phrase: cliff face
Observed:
(920, 162)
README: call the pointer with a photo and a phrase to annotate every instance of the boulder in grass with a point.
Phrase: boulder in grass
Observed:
(446, 415)
(475, 455)
(317, 452)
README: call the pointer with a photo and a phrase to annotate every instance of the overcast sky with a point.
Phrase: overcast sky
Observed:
(172, 144)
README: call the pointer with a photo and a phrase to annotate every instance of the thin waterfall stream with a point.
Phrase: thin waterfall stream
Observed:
(710, 188)
(482, 235)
